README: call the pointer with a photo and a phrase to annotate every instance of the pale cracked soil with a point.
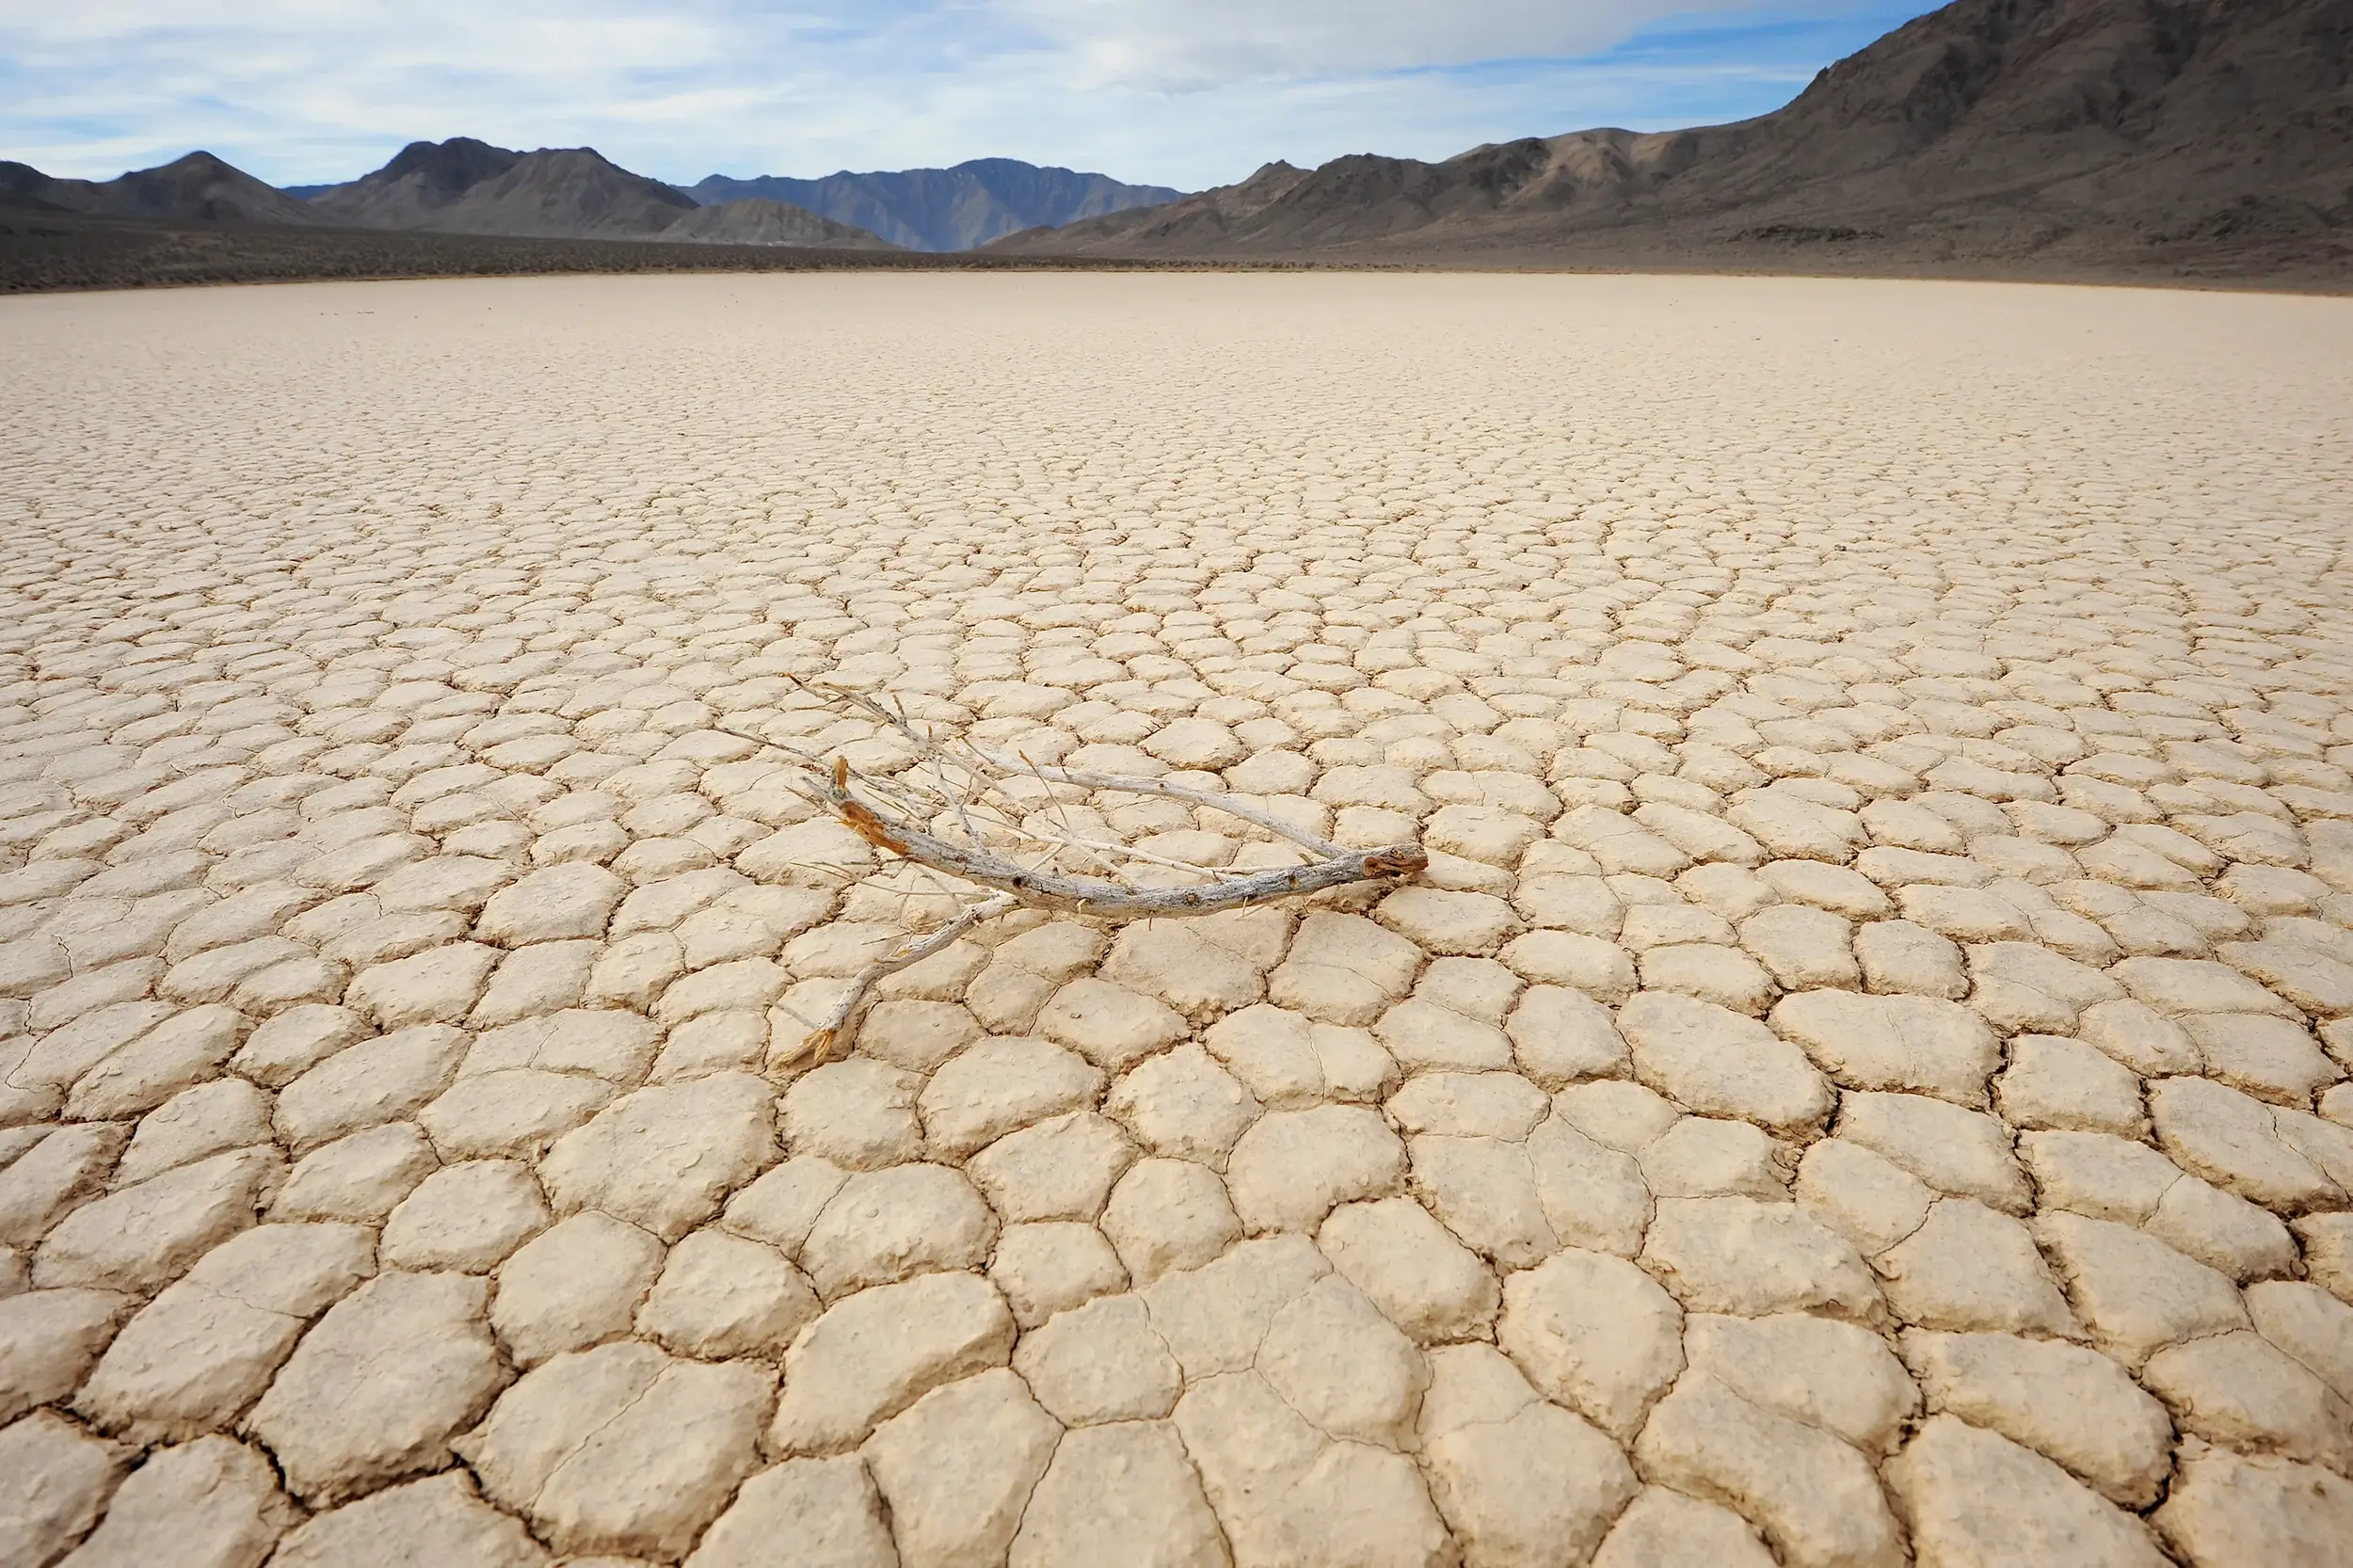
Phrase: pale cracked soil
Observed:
(1863, 1080)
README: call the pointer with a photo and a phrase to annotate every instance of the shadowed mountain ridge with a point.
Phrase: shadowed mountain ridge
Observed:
(946, 208)
(1990, 129)
(199, 188)
(422, 179)
(464, 186)
(1991, 137)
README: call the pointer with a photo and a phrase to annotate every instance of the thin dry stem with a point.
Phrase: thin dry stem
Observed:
(957, 780)
(1076, 895)
(835, 1030)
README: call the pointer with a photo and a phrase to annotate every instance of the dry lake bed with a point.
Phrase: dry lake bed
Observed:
(1864, 1079)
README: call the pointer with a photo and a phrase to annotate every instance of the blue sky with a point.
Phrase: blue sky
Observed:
(1181, 92)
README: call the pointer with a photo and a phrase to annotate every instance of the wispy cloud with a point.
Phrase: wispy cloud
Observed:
(1185, 92)
(1190, 45)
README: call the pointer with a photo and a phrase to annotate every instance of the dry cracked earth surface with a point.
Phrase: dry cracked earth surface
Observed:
(1862, 1080)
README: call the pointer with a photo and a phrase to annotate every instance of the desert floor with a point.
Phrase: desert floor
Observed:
(1863, 1079)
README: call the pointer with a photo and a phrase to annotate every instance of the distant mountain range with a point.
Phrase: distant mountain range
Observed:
(459, 186)
(199, 188)
(2018, 137)
(946, 208)
(464, 186)
(423, 178)
(1995, 131)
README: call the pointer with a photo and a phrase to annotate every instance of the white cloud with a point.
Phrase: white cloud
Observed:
(1183, 93)
(1196, 44)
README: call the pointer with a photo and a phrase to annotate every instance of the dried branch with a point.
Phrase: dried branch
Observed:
(1075, 895)
(823, 1039)
(955, 784)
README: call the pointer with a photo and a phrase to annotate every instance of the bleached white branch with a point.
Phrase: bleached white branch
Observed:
(891, 814)
(834, 1031)
(1076, 895)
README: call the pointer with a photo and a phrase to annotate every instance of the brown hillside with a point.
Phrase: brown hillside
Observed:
(2090, 130)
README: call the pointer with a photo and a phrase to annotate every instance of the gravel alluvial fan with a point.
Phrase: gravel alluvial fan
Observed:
(1853, 1073)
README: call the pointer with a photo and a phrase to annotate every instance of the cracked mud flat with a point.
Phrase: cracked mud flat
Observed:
(1864, 1080)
